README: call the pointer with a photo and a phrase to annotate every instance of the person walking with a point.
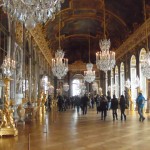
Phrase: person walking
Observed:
(140, 101)
(77, 103)
(103, 107)
(114, 106)
(122, 107)
(84, 103)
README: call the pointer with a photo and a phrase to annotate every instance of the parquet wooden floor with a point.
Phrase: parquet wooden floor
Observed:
(71, 131)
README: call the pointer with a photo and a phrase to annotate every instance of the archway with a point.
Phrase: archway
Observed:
(133, 75)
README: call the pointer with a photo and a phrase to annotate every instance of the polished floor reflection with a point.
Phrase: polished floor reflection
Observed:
(71, 131)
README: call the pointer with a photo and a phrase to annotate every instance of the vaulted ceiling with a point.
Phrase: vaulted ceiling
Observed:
(83, 18)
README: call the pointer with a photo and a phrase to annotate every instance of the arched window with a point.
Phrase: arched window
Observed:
(116, 82)
(122, 79)
(142, 78)
(133, 77)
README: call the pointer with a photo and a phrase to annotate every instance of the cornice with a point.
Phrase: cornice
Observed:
(136, 38)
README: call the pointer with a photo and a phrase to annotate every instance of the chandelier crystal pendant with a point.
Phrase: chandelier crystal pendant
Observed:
(145, 67)
(32, 12)
(59, 63)
(89, 75)
(65, 87)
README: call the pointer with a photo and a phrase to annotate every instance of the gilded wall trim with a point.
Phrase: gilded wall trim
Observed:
(136, 38)
(38, 37)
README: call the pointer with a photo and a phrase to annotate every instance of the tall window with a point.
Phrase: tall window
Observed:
(142, 78)
(122, 79)
(116, 82)
(133, 77)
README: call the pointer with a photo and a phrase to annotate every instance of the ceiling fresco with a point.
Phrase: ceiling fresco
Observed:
(83, 18)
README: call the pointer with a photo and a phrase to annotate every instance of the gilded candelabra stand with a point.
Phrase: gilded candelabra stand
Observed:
(7, 126)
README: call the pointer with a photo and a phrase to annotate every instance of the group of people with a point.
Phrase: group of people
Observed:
(106, 103)
(103, 104)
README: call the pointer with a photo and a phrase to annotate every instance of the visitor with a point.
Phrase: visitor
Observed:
(140, 101)
(84, 103)
(114, 107)
(103, 107)
(122, 107)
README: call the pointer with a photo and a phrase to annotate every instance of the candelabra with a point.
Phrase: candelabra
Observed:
(7, 126)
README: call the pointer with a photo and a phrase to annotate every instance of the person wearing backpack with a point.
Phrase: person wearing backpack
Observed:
(140, 101)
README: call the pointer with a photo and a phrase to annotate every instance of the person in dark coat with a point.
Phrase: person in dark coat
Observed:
(84, 103)
(114, 107)
(60, 102)
(122, 107)
(77, 103)
(103, 107)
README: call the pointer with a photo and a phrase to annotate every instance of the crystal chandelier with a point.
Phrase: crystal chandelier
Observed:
(89, 75)
(145, 67)
(8, 67)
(65, 87)
(59, 63)
(32, 12)
(105, 59)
